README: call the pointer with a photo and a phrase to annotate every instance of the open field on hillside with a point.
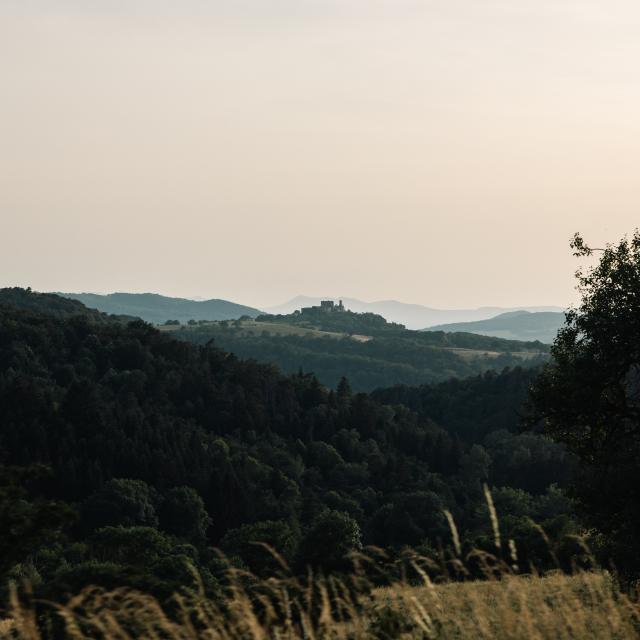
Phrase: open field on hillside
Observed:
(247, 328)
(369, 352)
(470, 354)
(555, 607)
(253, 328)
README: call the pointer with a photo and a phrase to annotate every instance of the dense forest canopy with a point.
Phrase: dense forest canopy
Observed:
(469, 408)
(369, 351)
(163, 448)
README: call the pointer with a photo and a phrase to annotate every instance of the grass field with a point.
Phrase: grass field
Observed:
(470, 354)
(427, 605)
(586, 605)
(253, 328)
(554, 607)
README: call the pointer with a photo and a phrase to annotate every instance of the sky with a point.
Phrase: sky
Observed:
(440, 152)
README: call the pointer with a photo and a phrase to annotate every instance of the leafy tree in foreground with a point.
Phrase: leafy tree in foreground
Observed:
(589, 397)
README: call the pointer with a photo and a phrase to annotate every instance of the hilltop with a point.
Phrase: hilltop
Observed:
(157, 309)
(364, 347)
(516, 325)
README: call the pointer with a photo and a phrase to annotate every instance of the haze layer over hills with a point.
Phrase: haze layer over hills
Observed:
(528, 324)
(514, 325)
(413, 316)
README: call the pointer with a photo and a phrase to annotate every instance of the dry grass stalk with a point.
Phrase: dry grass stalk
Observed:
(552, 607)
(352, 607)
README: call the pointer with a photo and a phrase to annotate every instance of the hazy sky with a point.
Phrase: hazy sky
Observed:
(440, 152)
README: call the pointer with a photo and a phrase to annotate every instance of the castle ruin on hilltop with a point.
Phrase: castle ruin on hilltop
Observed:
(325, 306)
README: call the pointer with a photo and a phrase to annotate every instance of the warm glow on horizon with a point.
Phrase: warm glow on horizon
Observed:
(439, 152)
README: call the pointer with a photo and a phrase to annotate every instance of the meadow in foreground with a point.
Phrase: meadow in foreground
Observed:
(554, 606)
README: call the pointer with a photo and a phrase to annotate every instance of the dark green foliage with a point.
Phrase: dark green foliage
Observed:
(489, 409)
(27, 520)
(329, 541)
(253, 544)
(184, 515)
(121, 502)
(409, 519)
(589, 397)
(138, 557)
(169, 448)
(472, 407)
(527, 461)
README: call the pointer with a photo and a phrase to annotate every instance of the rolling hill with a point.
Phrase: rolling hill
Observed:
(364, 347)
(157, 309)
(516, 325)
(413, 316)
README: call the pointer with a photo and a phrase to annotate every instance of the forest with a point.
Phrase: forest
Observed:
(128, 455)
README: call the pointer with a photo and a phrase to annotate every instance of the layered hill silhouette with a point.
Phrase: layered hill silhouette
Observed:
(164, 449)
(515, 325)
(157, 309)
(413, 316)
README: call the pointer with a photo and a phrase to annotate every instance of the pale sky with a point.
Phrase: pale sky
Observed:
(439, 151)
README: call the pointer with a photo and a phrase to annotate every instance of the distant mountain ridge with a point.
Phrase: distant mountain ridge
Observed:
(514, 325)
(413, 316)
(155, 308)
(54, 305)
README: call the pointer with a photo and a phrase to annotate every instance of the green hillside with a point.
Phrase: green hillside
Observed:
(365, 348)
